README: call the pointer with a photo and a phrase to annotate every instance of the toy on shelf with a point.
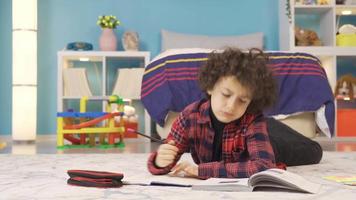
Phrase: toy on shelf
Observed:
(306, 37)
(71, 124)
(323, 2)
(2, 145)
(346, 87)
(346, 36)
(309, 2)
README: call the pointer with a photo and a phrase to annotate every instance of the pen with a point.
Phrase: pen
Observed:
(236, 181)
(144, 135)
(157, 183)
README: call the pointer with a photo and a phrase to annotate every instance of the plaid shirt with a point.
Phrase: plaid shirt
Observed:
(246, 148)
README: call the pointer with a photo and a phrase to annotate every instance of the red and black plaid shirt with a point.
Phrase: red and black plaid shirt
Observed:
(246, 148)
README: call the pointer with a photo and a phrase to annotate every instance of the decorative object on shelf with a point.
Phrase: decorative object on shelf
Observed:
(306, 37)
(130, 41)
(76, 46)
(309, 2)
(340, 2)
(107, 40)
(347, 29)
(323, 2)
(296, 2)
(346, 40)
(346, 87)
(2, 145)
(346, 36)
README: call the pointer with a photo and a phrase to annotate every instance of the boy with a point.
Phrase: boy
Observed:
(226, 133)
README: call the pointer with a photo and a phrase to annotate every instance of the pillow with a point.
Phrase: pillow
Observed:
(173, 40)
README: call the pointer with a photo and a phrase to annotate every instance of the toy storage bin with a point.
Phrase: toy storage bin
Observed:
(346, 40)
(346, 126)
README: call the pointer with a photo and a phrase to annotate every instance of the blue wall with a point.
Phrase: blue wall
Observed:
(5, 66)
(63, 21)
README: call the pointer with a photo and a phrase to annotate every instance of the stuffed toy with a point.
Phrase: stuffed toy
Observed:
(346, 87)
(306, 37)
(129, 114)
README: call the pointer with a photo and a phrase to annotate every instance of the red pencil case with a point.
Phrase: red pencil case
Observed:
(88, 178)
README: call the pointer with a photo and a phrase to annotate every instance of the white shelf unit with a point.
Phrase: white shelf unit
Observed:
(68, 59)
(326, 23)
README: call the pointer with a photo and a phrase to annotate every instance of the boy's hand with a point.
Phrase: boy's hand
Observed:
(189, 169)
(166, 154)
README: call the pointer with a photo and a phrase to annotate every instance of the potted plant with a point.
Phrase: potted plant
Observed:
(107, 40)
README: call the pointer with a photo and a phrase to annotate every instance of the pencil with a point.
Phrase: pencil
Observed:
(144, 135)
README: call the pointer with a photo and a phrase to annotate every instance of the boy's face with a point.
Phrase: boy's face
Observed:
(229, 99)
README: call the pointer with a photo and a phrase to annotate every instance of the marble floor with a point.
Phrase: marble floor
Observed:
(47, 145)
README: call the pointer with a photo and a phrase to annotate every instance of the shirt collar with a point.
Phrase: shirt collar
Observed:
(204, 112)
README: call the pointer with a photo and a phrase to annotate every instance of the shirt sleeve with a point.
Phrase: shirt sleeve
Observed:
(178, 133)
(259, 154)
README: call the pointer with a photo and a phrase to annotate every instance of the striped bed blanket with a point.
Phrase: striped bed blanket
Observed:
(170, 84)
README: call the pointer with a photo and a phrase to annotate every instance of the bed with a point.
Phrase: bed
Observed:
(305, 102)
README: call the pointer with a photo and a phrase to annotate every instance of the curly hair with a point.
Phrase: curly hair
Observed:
(249, 68)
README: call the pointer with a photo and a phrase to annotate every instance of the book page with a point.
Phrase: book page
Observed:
(164, 180)
(283, 179)
(224, 184)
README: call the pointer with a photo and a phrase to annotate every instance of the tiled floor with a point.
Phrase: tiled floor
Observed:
(47, 145)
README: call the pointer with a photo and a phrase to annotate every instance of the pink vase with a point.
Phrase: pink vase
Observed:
(107, 40)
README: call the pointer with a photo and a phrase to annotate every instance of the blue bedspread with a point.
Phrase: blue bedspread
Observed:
(170, 84)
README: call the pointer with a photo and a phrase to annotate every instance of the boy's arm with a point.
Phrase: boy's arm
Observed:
(260, 156)
(179, 135)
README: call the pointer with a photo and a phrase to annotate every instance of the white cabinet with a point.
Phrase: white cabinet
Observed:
(325, 20)
(94, 73)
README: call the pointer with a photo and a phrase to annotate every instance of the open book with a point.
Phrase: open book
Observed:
(281, 180)
(269, 180)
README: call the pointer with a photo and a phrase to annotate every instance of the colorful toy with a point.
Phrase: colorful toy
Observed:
(346, 87)
(91, 123)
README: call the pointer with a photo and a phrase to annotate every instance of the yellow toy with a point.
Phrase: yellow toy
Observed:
(2, 145)
(323, 2)
(66, 128)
